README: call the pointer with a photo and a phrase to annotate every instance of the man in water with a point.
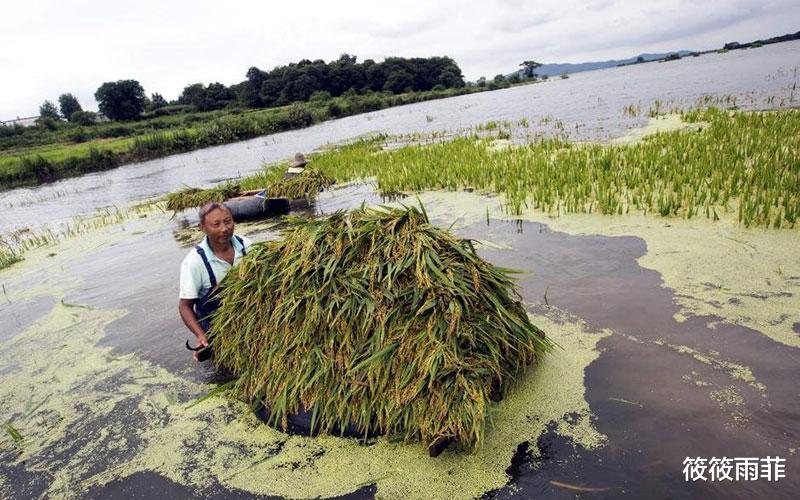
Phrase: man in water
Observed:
(204, 268)
(296, 166)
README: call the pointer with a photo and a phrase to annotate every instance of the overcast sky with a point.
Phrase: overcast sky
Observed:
(51, 47)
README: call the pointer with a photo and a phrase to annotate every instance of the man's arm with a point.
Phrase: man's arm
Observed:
(190, 320)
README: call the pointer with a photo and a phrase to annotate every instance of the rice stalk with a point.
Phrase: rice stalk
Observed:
(195, 197)
(304, 185)
(377, 319)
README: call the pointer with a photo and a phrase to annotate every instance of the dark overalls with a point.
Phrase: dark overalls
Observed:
(208, 303)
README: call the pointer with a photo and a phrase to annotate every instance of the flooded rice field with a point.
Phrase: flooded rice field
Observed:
(591, 106)
(655, 366)
(679, 337)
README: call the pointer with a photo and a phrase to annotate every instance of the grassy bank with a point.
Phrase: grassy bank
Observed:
(86, 149)
(747, 163)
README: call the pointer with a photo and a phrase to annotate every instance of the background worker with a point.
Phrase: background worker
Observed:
(296, 166)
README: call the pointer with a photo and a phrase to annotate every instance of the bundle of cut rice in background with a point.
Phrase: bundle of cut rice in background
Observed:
(377, 319)
(304, 185)
(196, 197)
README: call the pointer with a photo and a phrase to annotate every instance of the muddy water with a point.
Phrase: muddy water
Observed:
(632, 394)
(661, 390)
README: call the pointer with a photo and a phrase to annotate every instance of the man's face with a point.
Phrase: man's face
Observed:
(218, 225)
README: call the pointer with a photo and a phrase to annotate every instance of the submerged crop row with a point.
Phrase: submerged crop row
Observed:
(743, 161)
(15, 244)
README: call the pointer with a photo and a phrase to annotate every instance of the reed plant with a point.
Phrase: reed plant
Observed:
(376, 319)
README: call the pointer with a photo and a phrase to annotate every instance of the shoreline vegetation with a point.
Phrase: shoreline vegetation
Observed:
(132, 127)
(49, 162)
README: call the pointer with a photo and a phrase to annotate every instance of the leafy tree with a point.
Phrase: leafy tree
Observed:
(251, 88)
(83, 117)
(529, 68)
(499, 79)
(192, 94)
(157, 101)
(121, 100)
(69, 104)
(218, 95)
(215, 96)
(482, 81)
(48, 111)
(449, 73)
(375, 75)
(299, 81)
(399, 81)
(346, 58)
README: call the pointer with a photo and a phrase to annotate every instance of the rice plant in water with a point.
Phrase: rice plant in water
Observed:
(377, 319)
(743, 163)
(8, 257)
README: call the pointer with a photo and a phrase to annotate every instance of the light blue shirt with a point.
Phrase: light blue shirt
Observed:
(195, 281)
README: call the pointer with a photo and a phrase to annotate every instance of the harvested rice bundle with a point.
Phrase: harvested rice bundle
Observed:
(195, 197)
(306, 184)
(375, 319)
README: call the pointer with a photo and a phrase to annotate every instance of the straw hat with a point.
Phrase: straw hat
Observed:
(298, 161)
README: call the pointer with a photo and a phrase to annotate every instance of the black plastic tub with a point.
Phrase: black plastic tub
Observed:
(255, 207)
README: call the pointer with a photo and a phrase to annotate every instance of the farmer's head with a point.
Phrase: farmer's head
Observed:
(216, 221)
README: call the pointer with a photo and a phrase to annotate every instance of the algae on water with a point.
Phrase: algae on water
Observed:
(109, 417)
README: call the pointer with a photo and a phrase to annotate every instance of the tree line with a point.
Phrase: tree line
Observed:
(283, 85)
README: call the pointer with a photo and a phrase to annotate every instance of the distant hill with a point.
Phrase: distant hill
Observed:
(555, 69)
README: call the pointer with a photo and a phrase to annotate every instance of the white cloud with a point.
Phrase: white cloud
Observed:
(50, 47)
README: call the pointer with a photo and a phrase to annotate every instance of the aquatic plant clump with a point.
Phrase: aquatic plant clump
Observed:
(376, 319)
(304, 185)
(8, 257)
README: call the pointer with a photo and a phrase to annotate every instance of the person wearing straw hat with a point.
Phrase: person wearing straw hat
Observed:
(296, 166)
(204, 268)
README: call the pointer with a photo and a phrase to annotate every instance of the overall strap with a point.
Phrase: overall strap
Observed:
(241, 242)
(208, 267)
